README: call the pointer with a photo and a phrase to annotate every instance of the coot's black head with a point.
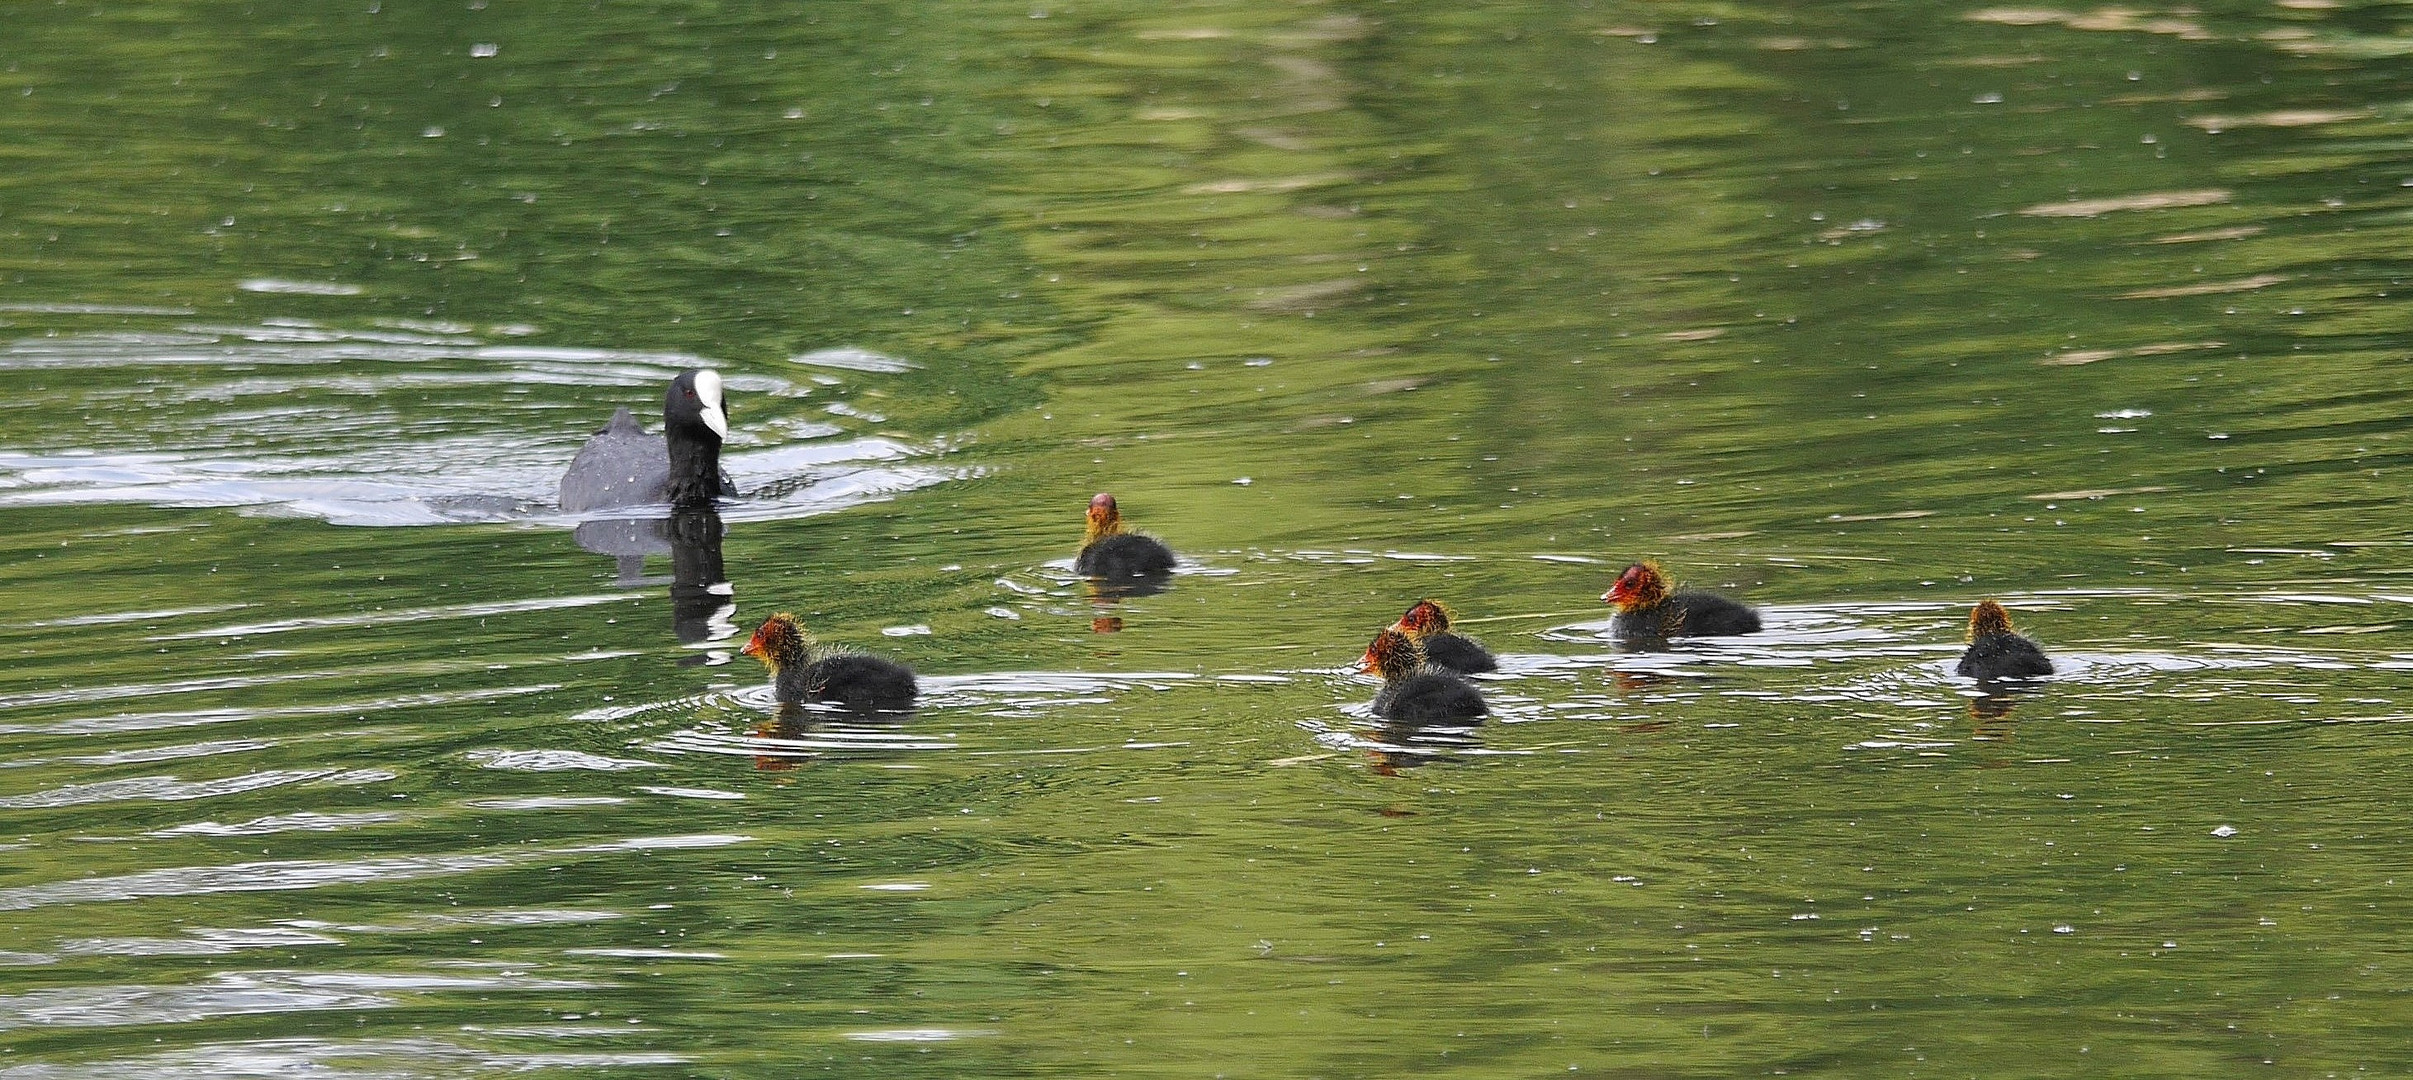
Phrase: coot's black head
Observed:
(694, 406)
(1988, 618)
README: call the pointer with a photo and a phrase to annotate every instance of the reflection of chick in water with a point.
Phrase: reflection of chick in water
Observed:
(1400, 747)
(1636, 681)
(1104, 598)
(1990, 717)
(788, 725)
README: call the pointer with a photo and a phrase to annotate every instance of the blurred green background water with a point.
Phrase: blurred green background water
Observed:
(331, 750)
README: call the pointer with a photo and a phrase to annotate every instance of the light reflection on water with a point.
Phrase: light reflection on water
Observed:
(223, 439)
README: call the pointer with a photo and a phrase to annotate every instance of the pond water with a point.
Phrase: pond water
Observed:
(332, 747)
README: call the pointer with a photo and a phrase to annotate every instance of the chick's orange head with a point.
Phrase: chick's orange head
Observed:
(1427, 617)
(779, 640)
(1104, 518)
(1988, 618)
(1640, 586)
(1391, 655)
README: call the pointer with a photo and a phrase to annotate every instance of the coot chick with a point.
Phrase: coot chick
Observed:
(1414, 692)
(801, 673)
(1996, 651)
(1427, 624)
(1109, 552)
(1646, 609)
(624, 466)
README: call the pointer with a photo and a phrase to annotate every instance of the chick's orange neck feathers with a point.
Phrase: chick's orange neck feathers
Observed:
(1426, 618)
(1988, 618)
(1391, 656)
(1641, 586)
(779, 642)
(1104, 520)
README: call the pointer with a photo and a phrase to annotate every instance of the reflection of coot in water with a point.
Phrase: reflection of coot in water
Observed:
(1427, 624)
(624, 466)
(1647, 611)
(1413, 691)
(1109, 552)
(627, 540)
(801, 673)
(1998, 652)
(702, 601)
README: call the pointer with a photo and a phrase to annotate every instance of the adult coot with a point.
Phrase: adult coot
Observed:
(1412, 691)
(1427, 624)
(1646, 609)
(1109, 552)
(1998, 652)
(624, 466)
(801, 673)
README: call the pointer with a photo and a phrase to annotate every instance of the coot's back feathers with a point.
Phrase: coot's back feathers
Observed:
(620, 466)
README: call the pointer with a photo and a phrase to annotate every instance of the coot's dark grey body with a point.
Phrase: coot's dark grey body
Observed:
(1687, 614)
(1124, 555)
(2004, 656)
(855, 680)
(1457, 652)
(1427, 697)
(624, 466)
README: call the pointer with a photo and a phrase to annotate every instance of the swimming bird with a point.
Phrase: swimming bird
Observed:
(1998, 652)
(1108, 551)
(1413, 691)
(1646, 609)
(624, 466)
(1427, 624)
(802, 673)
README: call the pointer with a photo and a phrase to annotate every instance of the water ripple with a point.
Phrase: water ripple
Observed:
(273, 1059)
(240, 994)
(158, 789)
(285, 875)
(318, 437)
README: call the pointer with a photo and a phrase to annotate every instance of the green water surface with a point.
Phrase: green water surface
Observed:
(327, 748)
